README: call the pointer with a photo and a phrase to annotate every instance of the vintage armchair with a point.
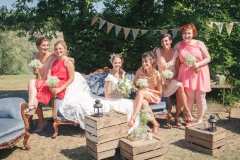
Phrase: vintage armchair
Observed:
(13, 122)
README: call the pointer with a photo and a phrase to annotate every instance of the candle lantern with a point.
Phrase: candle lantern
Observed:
(98, 111)
(212, 122)
(217, 78)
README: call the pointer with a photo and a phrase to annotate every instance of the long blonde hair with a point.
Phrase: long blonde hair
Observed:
(63, 43)
(113, 56)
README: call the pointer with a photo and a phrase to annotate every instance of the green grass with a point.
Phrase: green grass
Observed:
(15, 82)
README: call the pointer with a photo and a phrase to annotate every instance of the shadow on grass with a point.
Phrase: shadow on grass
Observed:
(230, 125)
(14, 93)
(4, 153)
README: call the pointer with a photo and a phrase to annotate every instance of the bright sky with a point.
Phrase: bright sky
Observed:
(8, 3)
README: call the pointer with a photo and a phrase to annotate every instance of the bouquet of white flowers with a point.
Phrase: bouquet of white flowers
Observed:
(142, 83)
(36, 64)
(190, 60)
(167, 74)
(125, 87)
(52, 81)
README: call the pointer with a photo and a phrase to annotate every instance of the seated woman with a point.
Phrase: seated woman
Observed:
(150, 95)
(167, 59)
(61, 68)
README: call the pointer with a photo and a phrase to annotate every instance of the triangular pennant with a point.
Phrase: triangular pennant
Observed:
(210, 24)
(117, 29)
(109, 27)
(126, 32)
(143, 32)
(94, 19)
(174, 32)
(101, 23)
(229, 27)
(220, 26)
(135, 33)
(163, 31)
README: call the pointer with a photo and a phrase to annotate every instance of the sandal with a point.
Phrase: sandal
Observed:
(155, 129)
(178, 122)
(131, 122)
(30, 110)
(41, 127)
(188, 117)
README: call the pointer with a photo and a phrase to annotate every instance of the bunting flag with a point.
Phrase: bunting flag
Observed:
(135, 33)
(210, 24)
(174, 32)
(126, 31)
(229, 27)
(109, 27)
(163, 31)
(143, 32)
(117, 29)
(94, 19)
(220, 26)
(101, 23)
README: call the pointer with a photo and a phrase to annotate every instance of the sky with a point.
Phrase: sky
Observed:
(8, 3)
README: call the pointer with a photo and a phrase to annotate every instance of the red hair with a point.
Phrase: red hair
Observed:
(188, 26)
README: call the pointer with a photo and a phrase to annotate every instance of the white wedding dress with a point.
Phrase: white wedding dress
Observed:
(79, 101)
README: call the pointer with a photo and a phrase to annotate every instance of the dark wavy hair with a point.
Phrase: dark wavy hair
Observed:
(165, 35)
(40, 40)
(151, 56)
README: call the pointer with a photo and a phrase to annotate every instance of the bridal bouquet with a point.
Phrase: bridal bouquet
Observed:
(142, 83)
(36, 64)
(167, 74)
(190, 60)
(125, 87)
(52, 81)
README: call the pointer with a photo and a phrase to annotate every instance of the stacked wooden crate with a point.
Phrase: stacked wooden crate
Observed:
(103, 134)
(204, 141)
(141, 149)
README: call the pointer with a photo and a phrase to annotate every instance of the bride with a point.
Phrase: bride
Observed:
(79, 99)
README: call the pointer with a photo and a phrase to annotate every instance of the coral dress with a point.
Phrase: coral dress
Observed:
(171, 65)
(190, 79)
(59, 70)
(152, 84)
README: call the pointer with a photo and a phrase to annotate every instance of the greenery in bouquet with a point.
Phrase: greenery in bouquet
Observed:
(125, 87)
(190, 60)
(52, 81)
(167, 74)
(36, 64)
(142, 83)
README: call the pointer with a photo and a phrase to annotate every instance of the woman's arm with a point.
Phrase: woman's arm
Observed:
(108, 90)
(177, 67)
(70, 68)
(176, 46)
(206, 56)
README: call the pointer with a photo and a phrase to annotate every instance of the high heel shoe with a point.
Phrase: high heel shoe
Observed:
(188, 117)
(30, 110)
(41, 127)
(131, 122)
(155, 129)
(178, 122)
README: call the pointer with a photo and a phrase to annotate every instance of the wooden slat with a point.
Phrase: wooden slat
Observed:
(143, 156)
(104, 146)
(101, 155)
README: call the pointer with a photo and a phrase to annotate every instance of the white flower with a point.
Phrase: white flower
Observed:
(52, 81)
(125, 86)
(35, 64)
(167, 74)
(142, 83)
(190, 59)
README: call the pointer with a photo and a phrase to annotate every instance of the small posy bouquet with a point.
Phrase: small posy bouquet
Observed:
(190, 60)
(52, 81)
(142, 83)
(36, 64)
(167, 74)
(125, 87)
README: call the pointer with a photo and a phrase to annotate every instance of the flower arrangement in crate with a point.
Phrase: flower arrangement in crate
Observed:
(142, 131)
(167, 74)
(190, 60)
(125, 87)
(51, 82)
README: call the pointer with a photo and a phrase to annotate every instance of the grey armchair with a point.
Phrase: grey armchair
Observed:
(13, 122)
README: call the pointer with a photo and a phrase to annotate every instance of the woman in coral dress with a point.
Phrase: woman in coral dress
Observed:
(196, 77)
(167, 59)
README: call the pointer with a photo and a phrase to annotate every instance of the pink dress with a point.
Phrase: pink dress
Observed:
(152, 84)
(190, 79)
(58, 69)
(171, 65)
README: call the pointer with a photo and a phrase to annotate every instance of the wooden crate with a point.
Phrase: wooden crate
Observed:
(211, 143)
(140, 150)
(106, 128)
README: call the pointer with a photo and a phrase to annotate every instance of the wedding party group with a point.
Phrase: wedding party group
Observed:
(181, 70)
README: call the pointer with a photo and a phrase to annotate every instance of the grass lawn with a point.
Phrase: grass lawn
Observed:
(71, 141)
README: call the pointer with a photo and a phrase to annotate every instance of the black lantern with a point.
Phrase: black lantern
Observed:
(216, 78)
(98, 106)
(212, 122)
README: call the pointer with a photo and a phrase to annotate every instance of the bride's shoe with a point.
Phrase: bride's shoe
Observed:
(131, 122)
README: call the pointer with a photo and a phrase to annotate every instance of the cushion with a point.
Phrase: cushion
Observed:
(10, 125)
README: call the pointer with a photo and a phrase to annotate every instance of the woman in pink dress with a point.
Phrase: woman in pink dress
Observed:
(61, 68)
(196, 77)
(167, 59)
(150, 95)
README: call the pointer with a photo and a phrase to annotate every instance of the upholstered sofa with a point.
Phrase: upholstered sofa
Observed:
(96, 83)
(13, 122)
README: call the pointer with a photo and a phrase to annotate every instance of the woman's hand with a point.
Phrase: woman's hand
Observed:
(55, 90)
(167, 81)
